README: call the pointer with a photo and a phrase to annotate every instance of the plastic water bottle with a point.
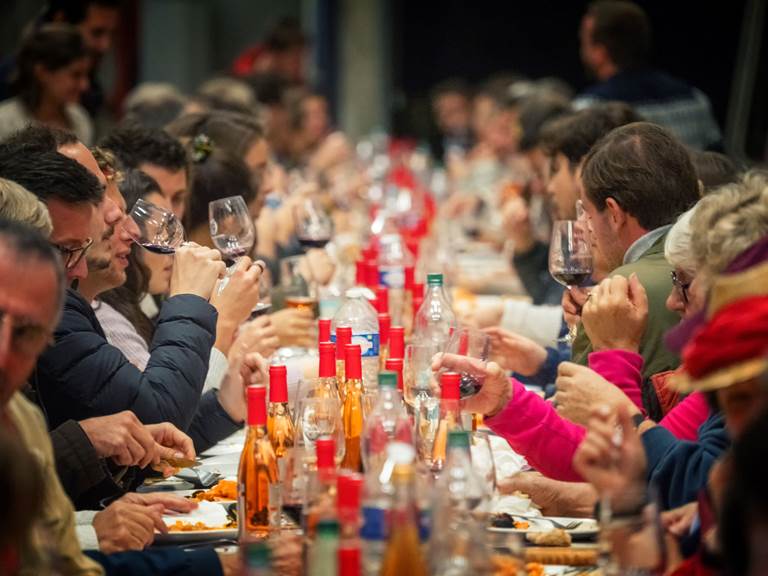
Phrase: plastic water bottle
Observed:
(456, 548)
(386, 423)
(358, 314)
(435, 317)
(394, 258)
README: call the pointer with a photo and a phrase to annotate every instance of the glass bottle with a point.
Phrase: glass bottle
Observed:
(385, 323)
(324, 551)
(279, 422)
(352, 412)
(403, 553)
(450, 417)
(327, 386)
(397, 342)
(320, 500)
(343, 337)
(258, 477)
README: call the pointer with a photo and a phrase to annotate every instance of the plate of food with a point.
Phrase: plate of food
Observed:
(559, 528)
(209, 521)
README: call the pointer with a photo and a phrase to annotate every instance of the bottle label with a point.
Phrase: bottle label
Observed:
(374, 523)
(392, 277)
(369, 344)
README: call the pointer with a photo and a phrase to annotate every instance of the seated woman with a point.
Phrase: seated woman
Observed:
(128, 328)
(51, 75)
(533, 426)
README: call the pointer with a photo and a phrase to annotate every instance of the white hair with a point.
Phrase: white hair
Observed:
(677, 247)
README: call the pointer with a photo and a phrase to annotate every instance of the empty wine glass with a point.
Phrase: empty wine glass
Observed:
(570, 258)
(232, 229)
(314, 227)
(319, 416)
(156, 229)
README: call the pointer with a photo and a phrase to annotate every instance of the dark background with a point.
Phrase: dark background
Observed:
(431, 41)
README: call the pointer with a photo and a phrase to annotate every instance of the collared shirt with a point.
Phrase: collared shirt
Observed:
(642, 244)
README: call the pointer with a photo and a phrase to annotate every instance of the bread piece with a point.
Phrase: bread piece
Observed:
(554, 537)
(562, 556)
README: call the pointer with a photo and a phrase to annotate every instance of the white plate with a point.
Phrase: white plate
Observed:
(587, 529)
(210, 513)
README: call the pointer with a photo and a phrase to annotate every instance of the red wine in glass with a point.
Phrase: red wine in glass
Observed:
(571, 277)
(159, 248)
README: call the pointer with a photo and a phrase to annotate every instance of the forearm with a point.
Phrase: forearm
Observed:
(623, 369)
(533, 428)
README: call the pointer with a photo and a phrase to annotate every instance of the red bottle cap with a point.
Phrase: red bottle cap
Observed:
(257, 406)
(324, 330)
(418, 291)
(449, 386)
(384, 328)
(396, 365)
(413, 246)
(397, 342)
(382, 300)
(418, 300)
(369, 253)
(343, 337)
(278, 384)
(353, 364)
(327, 360)
(371, 274)
(360, 273)
(325, 450)
(348, 489)
(349, 560)
(410, 272)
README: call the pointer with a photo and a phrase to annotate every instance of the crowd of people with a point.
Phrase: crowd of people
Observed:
(114, 359)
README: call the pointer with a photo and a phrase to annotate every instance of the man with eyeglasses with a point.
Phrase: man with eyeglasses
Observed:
(32, 286)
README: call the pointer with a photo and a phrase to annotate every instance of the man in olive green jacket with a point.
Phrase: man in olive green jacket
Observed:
(636, 181)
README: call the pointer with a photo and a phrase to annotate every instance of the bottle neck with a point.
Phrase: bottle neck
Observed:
(450, 408)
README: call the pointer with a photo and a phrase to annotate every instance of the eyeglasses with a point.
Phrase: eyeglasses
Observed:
(26, 336)
(72, 256)
(681, 286)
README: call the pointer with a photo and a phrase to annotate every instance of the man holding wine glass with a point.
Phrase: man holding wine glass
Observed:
(636, 181)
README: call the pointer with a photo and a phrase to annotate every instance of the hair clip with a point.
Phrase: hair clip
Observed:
(202, 146)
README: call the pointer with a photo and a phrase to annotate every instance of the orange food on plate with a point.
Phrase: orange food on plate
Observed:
(180, 526)
(534, 569)
(522, 525)
(224, 490)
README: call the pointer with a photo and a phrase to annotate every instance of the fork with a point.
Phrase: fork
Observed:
(570, 526)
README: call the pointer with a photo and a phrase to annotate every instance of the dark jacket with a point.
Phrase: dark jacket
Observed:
(83, 376)
(160, 562)
(680, 468)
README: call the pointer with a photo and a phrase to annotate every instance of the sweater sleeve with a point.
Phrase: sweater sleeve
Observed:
(621, 368)
(160, 562)
(77, 464)
(533, 428)
(679, 468)
(83, 376)
(685, 419)
(211, 423)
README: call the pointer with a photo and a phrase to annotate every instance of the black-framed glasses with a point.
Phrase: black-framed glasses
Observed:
(72, 256)
(681, 286)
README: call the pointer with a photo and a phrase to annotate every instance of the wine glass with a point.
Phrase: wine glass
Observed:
(570, 258)
(483, 462)
(155, 228)
(319, 416)
(314, 227)
(300, 292)
(231, 225)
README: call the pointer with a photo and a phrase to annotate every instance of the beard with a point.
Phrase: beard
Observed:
(96, 263)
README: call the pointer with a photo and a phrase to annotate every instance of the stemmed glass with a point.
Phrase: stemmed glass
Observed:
(570, 258)
(314, 227)
(473, 343)
(232, 229)
(156, 229)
